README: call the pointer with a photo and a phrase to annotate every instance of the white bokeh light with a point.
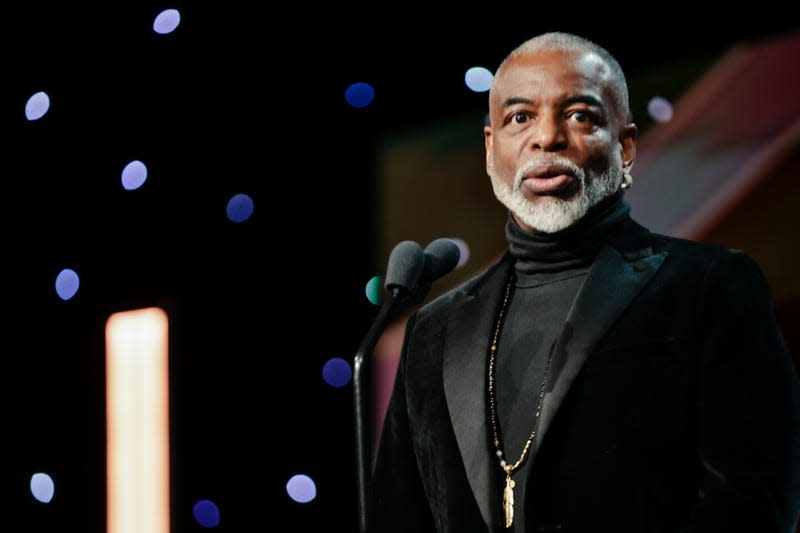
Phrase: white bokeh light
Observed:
(167, 21)
(478, 79)
(659, 109)
(134, 175)
(42, 487)
(37, 106)
(301, 488)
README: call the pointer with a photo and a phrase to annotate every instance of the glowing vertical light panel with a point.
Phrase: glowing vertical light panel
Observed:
(137, 395)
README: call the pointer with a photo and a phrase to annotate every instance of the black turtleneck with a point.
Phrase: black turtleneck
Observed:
(549, 270)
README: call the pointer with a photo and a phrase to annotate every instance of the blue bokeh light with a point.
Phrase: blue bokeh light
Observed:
(240, 208)
(359, 94)
(67, 283)
(206, 513)
(337, 372)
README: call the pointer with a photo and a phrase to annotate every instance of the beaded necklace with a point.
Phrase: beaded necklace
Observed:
(508, 491)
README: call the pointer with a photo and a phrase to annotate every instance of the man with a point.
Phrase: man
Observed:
(599, 377)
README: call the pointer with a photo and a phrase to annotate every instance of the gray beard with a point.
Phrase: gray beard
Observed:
(551, 213)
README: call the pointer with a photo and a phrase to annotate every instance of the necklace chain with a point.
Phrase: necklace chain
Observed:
(508, 493)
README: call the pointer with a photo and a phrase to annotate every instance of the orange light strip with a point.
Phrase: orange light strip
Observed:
(137, 418)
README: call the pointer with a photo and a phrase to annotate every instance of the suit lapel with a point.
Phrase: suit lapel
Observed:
(464, 374)
(618, 274)
(610, 286)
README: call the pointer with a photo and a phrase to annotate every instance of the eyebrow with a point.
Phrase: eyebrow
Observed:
(578, 99)
(514, 100)
(583, 99)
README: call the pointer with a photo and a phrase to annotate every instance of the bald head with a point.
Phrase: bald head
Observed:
(606, 64)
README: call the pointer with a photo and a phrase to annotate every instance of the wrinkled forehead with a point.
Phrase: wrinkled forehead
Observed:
(549, 73)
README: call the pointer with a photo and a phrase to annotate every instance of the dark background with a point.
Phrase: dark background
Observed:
(242, 97)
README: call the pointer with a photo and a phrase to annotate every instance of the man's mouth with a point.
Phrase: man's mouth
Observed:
(547, 181)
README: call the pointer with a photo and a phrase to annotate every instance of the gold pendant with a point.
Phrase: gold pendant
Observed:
(508, 499)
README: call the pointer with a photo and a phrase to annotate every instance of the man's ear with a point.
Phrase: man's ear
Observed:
(488, 141)
(627, 141)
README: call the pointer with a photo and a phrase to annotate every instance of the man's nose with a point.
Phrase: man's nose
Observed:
(548, 134)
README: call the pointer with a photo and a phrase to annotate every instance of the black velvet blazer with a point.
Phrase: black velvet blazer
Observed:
(673, 405)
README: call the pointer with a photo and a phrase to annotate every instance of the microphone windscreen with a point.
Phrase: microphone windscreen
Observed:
(405, 266)
(441, 256)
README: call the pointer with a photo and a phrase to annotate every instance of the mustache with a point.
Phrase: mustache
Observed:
(548, 160)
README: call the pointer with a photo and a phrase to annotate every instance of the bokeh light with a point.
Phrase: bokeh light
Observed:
(37, 106)
(301, 488)
(42, 487)
(478, 79)
(67, 283)
(133, 175)
(359, 94)
(167, 21)
(374, 290)
(206, 513)
(240, 207)
(659, 109)
(337, 372)
(463, 248)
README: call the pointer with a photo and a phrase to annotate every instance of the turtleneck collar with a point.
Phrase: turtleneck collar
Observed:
(570, 248)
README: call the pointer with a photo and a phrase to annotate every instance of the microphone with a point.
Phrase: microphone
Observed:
(409, 275)
(441, 256)
(406, 264)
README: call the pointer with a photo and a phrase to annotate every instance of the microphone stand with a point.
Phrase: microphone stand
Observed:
(362, 411)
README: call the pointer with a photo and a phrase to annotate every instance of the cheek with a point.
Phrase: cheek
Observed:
(505, 162)
(599, 152)
(497, 165)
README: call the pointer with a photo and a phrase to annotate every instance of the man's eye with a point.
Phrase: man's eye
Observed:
(581, 116)
(520, 117)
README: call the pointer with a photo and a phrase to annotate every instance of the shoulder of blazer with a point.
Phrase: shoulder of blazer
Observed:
(467, 289)
(634, 241)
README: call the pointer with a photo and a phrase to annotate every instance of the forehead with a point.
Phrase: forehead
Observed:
(552, 74)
